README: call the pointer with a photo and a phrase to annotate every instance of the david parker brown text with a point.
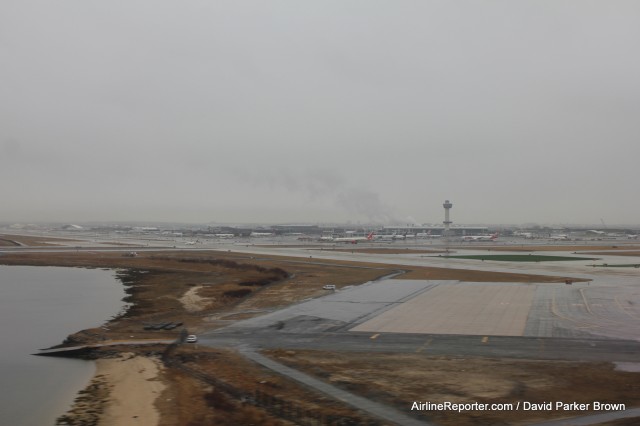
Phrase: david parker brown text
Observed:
(520, 405)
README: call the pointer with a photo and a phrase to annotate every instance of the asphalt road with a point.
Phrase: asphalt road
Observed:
(430, 344)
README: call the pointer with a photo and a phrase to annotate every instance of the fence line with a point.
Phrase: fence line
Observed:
(276, 406)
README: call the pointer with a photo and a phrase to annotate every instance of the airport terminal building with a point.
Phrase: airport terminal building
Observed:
(436, 230)
(384, 230)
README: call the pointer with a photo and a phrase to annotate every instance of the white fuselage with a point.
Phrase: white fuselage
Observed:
(491, 237)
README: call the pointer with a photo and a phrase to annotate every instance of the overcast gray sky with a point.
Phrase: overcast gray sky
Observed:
(300, 111)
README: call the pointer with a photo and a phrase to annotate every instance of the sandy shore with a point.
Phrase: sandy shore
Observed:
(134, 386)
(126, 389)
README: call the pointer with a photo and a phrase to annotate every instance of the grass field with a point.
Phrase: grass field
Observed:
(410, 376)
(520, 258)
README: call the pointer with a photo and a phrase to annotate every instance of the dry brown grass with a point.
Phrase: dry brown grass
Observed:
(32, 241)
(5, 242)
(622, 422)
(400, 379)
(192, 402)
(231, 368)
(419, 273)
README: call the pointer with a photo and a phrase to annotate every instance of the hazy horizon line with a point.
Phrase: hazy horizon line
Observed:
(301, 223)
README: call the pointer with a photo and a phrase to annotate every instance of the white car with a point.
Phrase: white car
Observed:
(192, 338)
(329, 287)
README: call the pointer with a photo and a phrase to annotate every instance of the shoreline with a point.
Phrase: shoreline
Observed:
(124, 388)
(135, 385)
(40, 305)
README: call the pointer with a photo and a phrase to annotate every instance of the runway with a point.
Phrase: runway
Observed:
(525, 323)
(499, 309)
(580, 310)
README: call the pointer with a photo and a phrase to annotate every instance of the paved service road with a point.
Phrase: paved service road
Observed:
(348, 305)
(377, 409)
(430, 344)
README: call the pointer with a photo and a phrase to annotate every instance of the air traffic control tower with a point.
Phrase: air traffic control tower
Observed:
(447, 223)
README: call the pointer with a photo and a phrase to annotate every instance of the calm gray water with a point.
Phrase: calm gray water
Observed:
(39, 307)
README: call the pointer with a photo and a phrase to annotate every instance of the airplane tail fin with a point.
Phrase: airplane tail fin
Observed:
(370, 236)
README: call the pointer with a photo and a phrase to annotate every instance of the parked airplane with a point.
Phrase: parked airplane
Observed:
(559, 237)
(427, 234)
(326, 237)
(190, 243)
(261, 234)
(353, 240)
(225, 235)
(390, 237)
(632, 236)
(385, 237)
(527, 235)
(491, 237)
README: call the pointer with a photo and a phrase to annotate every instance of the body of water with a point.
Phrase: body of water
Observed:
(39, 308)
